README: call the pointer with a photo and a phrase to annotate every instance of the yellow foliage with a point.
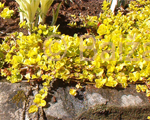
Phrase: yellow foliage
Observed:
(122, 53)
(33, 108)
(73, 92)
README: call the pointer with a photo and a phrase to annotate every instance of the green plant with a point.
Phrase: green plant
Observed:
(55, 15)
(45, 5)
(28, 10)
(1, 59)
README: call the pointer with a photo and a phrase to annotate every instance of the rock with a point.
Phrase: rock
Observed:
(130, 100)
(57, 110)
(90, 103)
(95, 98)
(13, 101)
(8, 109)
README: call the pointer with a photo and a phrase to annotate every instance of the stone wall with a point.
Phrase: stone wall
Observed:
(90, 103)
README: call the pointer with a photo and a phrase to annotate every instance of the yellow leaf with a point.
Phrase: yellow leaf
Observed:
(33, 108)
(1, 5)
(78, 86)
(45, 88)
(111, 82)
(34, 77)
(141, 88)
(38, 96)
(90, 77)
(39, 31)
(148, 93)
(110, 68)
(103, 29)
(42, 91)
(22, 24)
(28, 76)
(47, 83)
(39, 73)
(148, 117)
(44, 77)
(99, 71)
(44, 95)
(134, 76)
(37, 100)
(42, 103)
(6, 13)
(73, 92)
(100, 82)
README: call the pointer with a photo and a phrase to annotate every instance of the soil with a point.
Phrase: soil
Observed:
(78, 7)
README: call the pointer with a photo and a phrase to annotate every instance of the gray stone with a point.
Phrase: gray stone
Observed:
(90, 103)
(130, 100)
(95, 98)
(57, 110)
(13, 101)
(99, 103)
(9, 110)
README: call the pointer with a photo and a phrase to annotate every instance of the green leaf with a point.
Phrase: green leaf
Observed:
(55, 14)
(1, 64)
(37, 17)
(1, 55)
(20, 10)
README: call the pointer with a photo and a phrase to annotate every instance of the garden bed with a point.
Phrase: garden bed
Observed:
(119, 74)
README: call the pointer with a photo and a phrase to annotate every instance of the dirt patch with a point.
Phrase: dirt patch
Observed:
(79, 7)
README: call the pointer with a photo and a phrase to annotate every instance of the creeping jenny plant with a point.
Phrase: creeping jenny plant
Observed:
(118, 54)
(6, 12)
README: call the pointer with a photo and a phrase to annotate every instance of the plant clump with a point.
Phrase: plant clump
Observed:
(113, 53)
(6, 13)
